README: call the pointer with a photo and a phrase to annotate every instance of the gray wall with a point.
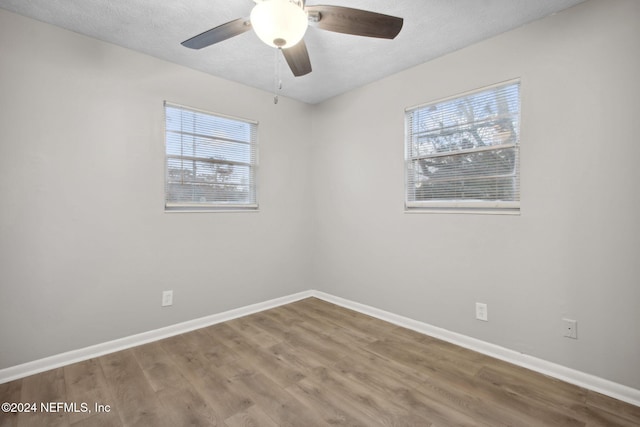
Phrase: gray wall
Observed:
(573, 251)
(86, 248)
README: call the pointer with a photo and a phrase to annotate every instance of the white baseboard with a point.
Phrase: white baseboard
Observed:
(572, 376)
(63, 359)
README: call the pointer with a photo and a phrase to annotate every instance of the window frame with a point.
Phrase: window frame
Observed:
(462, 205)
(215, 206)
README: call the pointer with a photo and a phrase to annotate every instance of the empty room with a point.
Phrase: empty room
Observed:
(311, 213)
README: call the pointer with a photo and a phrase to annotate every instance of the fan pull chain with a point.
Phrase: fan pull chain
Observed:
(278, 78)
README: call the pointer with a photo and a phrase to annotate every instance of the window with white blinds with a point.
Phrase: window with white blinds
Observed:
(462, 153)
(211, 160)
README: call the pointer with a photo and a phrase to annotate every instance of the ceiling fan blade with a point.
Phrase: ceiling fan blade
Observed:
(298, 59)
(218, 34)
(354, 21)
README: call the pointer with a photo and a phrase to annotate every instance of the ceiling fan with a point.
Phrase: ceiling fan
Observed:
(283, 23)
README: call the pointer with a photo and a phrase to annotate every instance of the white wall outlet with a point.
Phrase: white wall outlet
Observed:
(167, 298)
(570, 327)
(482, 313)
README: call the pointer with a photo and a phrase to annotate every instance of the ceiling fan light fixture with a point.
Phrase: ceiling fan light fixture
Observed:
(279, 23)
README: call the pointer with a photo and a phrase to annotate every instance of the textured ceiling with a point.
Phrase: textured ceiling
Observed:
(340, 62)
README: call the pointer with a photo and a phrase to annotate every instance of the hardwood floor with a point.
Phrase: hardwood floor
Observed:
(306, 364)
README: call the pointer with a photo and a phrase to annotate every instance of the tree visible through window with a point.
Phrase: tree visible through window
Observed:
(211, 160)
(463, 153)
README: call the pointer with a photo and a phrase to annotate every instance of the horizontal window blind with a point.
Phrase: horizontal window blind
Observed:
(211, 160)
(463, 152)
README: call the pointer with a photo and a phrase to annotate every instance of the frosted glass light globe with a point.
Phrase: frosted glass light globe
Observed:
(279, 23)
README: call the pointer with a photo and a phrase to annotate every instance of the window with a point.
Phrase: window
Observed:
(462, 153)
(211, 160)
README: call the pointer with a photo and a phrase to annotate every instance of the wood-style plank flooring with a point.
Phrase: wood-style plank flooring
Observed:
(307, 364)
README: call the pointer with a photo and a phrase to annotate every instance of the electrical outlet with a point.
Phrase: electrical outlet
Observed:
(482, 313)
(167, 298)
(570, 327)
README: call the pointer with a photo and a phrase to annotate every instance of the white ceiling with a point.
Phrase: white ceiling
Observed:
(340, 62)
